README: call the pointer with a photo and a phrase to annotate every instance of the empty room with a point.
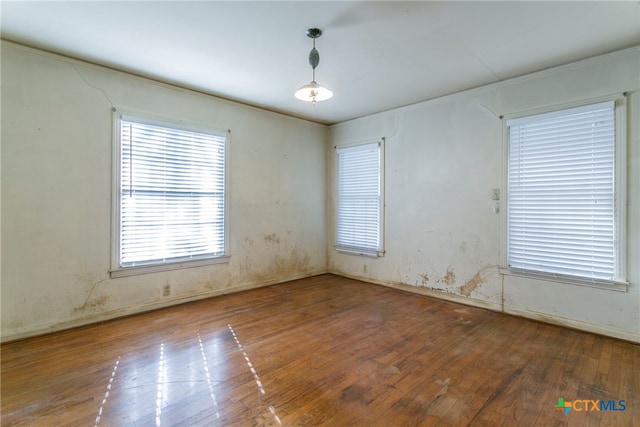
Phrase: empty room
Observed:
(301, 213)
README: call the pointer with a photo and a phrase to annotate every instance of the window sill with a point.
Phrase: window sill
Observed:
(608, 285)
(360, 252)
(145, 269)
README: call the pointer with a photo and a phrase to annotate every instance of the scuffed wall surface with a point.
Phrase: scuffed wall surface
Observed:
(56, 194)
(440, 228)
(443, 160)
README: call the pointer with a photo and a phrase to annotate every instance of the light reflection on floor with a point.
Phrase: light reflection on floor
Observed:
(187, 365)
(161, 385)
(254, 372)
(206, 371)
(106, 394)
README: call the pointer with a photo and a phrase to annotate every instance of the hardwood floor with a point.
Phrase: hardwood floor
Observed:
(323, 351)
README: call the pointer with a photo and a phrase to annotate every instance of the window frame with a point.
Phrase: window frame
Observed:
(117, 270)
(355, 250)
(619, 282)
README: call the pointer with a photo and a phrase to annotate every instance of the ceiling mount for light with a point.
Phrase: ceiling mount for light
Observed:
(313, 92)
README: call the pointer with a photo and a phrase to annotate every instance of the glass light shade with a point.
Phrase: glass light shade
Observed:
(313, 92)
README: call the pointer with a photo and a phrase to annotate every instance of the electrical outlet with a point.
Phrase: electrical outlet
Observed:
(166, 290)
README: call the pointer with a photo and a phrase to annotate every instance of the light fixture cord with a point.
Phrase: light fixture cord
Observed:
(314, 67)
(313, 78)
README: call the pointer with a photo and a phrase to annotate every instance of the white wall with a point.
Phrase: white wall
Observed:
(56, 194)
(443, 159)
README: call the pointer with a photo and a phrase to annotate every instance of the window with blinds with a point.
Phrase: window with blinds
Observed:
(561, 202)
(171, 195)
(360, 199)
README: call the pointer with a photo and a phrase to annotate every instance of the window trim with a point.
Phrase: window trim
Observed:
(619, 283)
(116, 269)
(381, 251)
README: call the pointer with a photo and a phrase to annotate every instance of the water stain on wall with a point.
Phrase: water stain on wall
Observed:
(290, 265)
(425, 278)
(449, 278)
(281, 265)
(473, 283)
(92, 305)
(272, 238)
(219, 280)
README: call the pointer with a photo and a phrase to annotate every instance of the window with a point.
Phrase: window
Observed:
(360, 199)
(565, 194)
(170, 195)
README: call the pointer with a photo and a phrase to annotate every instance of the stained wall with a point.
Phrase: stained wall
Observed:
(443, 236)
(444, 159)
(57, 194)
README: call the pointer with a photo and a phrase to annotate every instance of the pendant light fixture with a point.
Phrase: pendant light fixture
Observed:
(313, 92)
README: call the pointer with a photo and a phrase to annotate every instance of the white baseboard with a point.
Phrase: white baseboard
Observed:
(42, 329)
(508, 309)
(573, 324)
(47, 328)
(426, 291)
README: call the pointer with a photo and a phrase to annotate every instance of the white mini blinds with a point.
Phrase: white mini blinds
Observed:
(171, 195)
(562, 196)
(360, 199)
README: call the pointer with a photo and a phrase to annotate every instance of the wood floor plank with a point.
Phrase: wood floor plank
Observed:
(322, 351)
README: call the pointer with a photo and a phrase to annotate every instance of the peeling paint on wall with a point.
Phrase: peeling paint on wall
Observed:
(449, 278)
(60, 255)
(473, 283)
(443, 211)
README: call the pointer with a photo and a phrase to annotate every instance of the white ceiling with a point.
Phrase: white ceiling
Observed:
(374, 55)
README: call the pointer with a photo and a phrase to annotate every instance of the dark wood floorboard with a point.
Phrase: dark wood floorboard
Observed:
(323, 351)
